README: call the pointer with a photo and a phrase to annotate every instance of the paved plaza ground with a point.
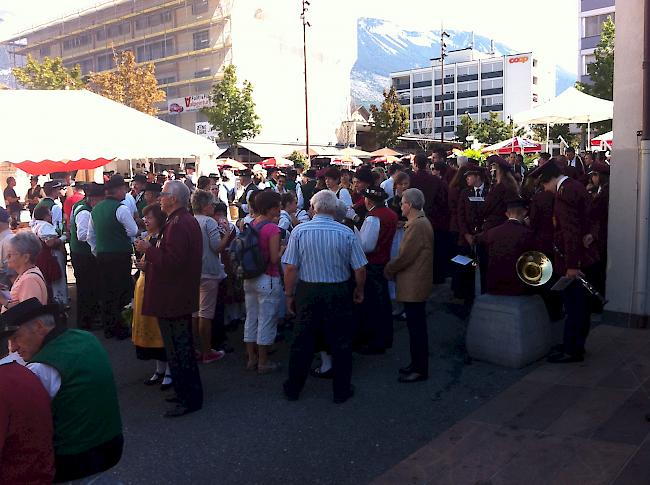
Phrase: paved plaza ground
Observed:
(470, 423)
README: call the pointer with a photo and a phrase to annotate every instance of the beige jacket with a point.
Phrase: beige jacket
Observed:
(412, 269)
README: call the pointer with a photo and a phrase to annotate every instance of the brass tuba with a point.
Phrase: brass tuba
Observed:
(534, 268)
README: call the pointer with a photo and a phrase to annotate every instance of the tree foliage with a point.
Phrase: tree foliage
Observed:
(129, 84)
(299, 159)
(555, 132)
(50, 73)
(492, 130)
(233, 110)
(390, 121)
(466, 128)
(601, 71)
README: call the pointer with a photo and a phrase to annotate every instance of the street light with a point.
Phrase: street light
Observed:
(443, 54)
(305, 24)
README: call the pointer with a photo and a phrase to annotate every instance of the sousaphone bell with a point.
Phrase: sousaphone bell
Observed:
(534, 268)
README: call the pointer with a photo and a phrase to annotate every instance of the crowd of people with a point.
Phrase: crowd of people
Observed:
(176, 262)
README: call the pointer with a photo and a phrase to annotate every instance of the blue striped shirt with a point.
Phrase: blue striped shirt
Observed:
(324, 251)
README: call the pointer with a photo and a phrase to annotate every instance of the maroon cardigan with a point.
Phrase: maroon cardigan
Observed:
(173, 269)
(541, 221)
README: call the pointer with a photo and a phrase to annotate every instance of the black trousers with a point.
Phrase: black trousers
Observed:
(482, 256)
(86, 274)
(95, 460)
(464, 277)
(416, 321)
(376, 329)
(578, 318)
(324, 308)
(177, 337)
(116, 287)
(219, 327)
(441, 250)
(552, 299)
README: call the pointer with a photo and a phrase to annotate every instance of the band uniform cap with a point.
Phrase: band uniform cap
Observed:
(22, 313)
(152, 187)
(536, 173)
(364, 175)
(375, 193)
(140, 178)
(599, 167)
(94, 190)
(497, 160)
(114, 182)
(516, 203)
(311, 173)
(472, 169)
(52, 184)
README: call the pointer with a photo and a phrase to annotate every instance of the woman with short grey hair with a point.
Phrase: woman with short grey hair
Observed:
(23, 249)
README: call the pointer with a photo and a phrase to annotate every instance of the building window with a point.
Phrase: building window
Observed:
(202, 88)
(471, 86)
(74, 42)
(206, 71)
(491, 67)
(44, 51)
(470, 70)
(449, 105)
(171, 91)
(534, 62)
(421, 76)
(534, 79)
(199, 7)
(105, 62)
(467, 103)
(492, 83)
(155, 50)
(201, 40)
(169, 118)
(86, 66)
(153, 20)
(587, 61)
(488, 101)
(593, 25)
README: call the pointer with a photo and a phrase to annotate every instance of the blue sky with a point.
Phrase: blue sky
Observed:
(549, 27)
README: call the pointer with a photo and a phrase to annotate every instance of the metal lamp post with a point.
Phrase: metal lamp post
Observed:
(443, 54)
(305, 24)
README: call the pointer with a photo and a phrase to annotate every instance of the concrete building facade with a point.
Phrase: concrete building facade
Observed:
(191, 41)
(592, 15)
(476, 84)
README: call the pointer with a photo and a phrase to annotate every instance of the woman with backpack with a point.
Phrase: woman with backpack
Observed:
(264, 292)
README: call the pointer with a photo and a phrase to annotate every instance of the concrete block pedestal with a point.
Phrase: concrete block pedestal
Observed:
(511, 331)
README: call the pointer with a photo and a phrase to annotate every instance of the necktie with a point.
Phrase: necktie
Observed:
(477, 192)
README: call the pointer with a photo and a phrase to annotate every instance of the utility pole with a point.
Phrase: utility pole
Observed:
(443, 54)
(305, 24)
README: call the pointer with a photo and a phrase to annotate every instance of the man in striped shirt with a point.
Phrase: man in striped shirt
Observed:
(319, 258)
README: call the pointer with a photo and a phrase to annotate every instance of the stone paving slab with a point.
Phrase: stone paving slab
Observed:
(560, 424)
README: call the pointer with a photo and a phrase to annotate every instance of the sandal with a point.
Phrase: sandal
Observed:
(251, 365)
(268, 368)
(154, 379)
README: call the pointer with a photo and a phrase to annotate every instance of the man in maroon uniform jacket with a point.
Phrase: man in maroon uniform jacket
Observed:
(436, 208)
(173, 269)
(377, 232)
(505, 244)
(571, 258)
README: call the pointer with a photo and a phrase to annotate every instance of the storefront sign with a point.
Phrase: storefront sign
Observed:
(188, 103)
(204, 128)
(521, 59)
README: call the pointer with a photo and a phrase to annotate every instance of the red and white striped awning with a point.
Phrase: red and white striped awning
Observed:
(516, 144)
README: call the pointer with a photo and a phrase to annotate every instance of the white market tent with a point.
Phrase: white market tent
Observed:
(48, 131)
(571, 106)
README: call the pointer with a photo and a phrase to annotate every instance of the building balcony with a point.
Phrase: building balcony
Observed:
(448, 80)
(589, 42)
(421, 116)
(467, 94)
(447, 112)
(422, 84)
(421, 99)
(469, 110)
(487, 92)
(448, 129)
(491, 75)
(404, 101)
(447, 96)
(401, 87)
(467, 77)
(492, 107)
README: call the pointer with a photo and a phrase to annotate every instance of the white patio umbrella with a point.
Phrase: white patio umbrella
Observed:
(571, 106)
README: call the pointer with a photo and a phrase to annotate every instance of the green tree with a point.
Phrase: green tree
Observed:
(493, 130)
(299, 159)
(601, 71)
(555, 132)
(50, 73)
(130, 84)
(233, 110)
(466, 128)
(390, 121)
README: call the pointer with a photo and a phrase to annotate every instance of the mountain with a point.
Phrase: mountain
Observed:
(386, 47)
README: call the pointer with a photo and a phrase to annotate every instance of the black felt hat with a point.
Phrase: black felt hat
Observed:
(94, 190)
(375, 193)
(151, 187)
(24, 312)
(114, 182)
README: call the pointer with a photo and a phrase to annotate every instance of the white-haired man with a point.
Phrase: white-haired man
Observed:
(318, 259)
(173, 269)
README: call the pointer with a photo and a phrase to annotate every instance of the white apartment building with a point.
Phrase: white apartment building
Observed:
(593, 14)
(475, 84)
(191, 41)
